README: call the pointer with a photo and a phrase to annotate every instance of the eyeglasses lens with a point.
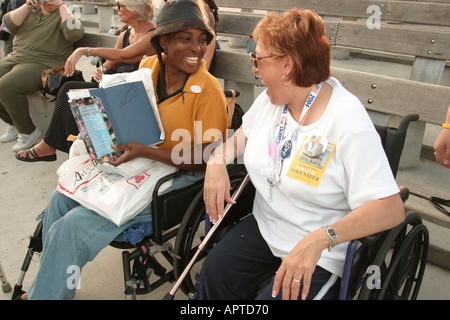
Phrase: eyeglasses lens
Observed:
(254, 59)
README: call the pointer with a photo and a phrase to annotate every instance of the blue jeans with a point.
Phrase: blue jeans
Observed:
(72, 236)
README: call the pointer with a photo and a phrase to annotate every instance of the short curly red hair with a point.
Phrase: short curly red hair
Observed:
(301, 35)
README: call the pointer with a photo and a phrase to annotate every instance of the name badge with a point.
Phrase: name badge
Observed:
(310, 169)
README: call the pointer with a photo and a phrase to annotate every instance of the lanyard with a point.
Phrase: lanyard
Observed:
(277, 153)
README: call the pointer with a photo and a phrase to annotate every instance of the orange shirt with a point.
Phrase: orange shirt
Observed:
(197, 115)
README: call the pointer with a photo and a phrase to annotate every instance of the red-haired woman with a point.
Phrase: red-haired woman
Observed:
(320, 173)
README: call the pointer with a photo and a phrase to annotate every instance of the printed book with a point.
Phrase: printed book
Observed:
(115, 115)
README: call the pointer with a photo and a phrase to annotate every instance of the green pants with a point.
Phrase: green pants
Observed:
(16, 81)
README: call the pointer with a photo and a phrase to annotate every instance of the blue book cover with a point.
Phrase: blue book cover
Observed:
(130, 112)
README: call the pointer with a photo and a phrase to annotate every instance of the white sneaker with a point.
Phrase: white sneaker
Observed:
(26, 141)
(10, 134)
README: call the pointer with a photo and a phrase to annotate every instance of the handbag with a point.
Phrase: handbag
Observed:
(53, 79)
(4, 35)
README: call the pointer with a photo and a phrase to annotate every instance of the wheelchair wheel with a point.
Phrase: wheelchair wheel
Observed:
(402, 259)
(190, 234)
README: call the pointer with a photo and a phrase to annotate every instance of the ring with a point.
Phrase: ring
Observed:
(295, 280)
(207, 198)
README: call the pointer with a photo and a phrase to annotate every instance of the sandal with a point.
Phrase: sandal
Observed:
(35, 158)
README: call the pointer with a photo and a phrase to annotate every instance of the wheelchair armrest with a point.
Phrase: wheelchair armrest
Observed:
(165, 179)
(369, 240)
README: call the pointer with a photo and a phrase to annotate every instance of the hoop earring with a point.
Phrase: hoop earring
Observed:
(286, 84)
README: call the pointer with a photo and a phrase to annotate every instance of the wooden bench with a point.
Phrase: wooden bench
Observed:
(417, 29)
(104, 10)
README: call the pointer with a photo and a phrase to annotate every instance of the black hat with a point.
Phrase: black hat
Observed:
(178, 15)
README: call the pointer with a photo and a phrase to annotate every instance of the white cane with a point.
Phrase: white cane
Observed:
(236, 194)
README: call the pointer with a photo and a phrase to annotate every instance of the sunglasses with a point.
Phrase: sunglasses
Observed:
(120, 6)
(255, 59)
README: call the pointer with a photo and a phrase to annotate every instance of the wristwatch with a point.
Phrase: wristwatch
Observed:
(332, 236)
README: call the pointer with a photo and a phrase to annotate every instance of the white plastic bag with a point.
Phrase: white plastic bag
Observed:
(116, 194)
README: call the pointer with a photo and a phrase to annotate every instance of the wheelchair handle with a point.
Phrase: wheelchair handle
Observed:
(97, 61)
(229, 93)
(236, 194)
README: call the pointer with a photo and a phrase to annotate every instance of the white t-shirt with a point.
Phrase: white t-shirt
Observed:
(314, 191)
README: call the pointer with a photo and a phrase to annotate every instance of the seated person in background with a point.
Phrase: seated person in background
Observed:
(43, 38)
(307, 205)
(442, 144)
(130, 47)
(186, 93)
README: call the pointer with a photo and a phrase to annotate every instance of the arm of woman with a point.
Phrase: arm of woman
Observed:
(64, 11)
(442, 144)
(216, 187)
(131, 54)
(208, 16)
(108, 64)
(370, 218)
(71, 27)
(210, 51)
(135, 150)
(18, 15)
(72, 60)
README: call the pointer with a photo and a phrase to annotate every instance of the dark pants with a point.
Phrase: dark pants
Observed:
(62, 123)
(241, 266)
(16, 81)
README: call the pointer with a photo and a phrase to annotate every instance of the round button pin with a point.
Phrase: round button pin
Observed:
(196, 89)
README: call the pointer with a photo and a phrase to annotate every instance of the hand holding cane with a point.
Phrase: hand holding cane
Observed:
(236, 194)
